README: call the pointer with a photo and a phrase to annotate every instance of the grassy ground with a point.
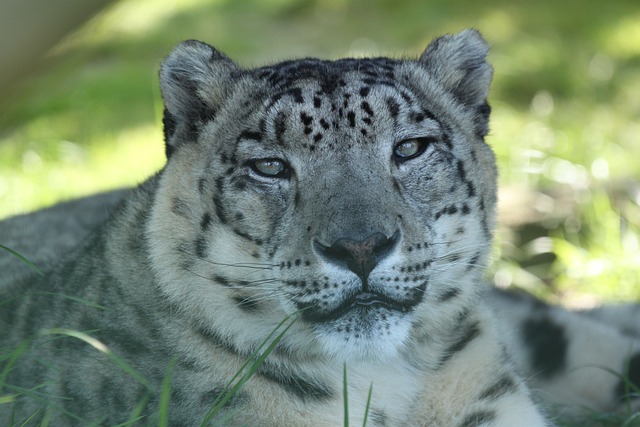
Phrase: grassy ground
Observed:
(566, 100)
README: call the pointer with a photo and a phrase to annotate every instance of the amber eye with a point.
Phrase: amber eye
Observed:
(271, 168)
(410, 148)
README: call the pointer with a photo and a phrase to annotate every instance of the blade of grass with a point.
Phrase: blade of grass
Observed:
(23, 259)
(103, 349)
(74, 298)
(345, 395)
(632, 420)
(252, 368)
(46, 419)
(165, 393)
(7, 399)
(70, 297)
(12, 360)
(250, 359)
(28, 420)
(136, 415)
(366, 408)
(45, 400)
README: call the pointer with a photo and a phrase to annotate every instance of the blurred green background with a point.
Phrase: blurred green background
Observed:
(565, 127)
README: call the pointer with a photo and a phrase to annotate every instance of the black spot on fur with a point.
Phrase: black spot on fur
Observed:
(449, 294)
(448, 210)
(303, 388)
(296, 94)
(221, 280)
(219, 184)
(75, 401)
(396, 185)
(280, 126)
(473, 262)
(428, 114)
(169, 124)
(446, 139)
(222, 217)
(364, 91)
(216, 339)
(201, 247)
(394, 107)
(471, 189)
(482, 120)
(247, 304)
(205, 222)
(472, 332)
(209, 397)
(306, 119)
(351, 116)
(244, 235)
(378, 417)
(256, 136)
(367, 108)
(632, 375)
(478, 418)
(196, 119)
(180, 207)
(461, 172)
(501, 387)
(111, 395)
(548, 345)
(202, 182)
(123, 340)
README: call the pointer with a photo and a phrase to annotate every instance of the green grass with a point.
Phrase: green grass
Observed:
(9, 393)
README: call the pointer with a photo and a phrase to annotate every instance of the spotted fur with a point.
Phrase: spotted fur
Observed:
(355, 196)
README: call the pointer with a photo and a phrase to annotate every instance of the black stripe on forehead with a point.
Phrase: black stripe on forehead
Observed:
(328, 74)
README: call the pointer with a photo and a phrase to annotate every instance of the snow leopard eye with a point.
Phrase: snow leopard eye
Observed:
(271, 168)
(410, 148)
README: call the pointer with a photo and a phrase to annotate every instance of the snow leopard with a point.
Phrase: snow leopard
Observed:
(329, 224)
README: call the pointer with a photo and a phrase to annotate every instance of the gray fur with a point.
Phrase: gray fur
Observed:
(46, 235)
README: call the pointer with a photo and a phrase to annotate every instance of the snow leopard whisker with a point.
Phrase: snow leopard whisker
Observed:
(461, 251)
(255, 266)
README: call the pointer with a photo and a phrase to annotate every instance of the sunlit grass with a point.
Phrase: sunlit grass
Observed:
(43, 171)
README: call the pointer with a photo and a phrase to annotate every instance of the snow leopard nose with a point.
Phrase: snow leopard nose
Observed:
(359, 256)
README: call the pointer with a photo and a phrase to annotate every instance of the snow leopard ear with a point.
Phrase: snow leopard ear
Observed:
(194, 80)
(459, 62)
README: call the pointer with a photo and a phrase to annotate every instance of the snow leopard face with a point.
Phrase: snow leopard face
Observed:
(358, 193)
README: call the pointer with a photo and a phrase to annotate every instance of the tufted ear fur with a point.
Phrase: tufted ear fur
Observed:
(194, 80)
(459, 62)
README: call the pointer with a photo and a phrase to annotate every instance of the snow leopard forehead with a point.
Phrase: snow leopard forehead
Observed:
(198, 82)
